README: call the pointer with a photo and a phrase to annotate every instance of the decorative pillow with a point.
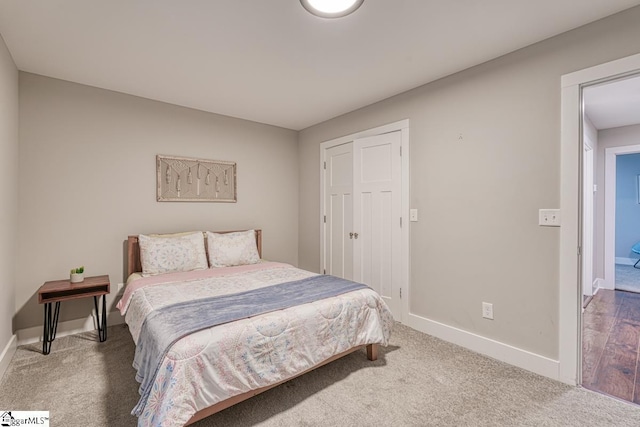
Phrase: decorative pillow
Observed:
(229, 249)
(172, 253)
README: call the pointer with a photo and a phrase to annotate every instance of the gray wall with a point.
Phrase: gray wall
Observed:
(87, 180)
(9, 192)
(477, 238)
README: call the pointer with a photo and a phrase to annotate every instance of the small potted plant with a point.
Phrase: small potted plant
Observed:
(77, 274)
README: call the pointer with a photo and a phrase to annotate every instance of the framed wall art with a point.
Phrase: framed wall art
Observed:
(185, 179)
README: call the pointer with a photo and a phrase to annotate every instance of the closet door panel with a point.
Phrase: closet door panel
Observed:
(338, 196)
(377, 211)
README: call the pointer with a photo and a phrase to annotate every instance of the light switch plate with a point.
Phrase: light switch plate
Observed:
(549, 217)
(413, 215)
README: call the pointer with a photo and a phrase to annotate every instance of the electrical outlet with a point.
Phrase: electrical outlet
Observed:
(549, 217)
(413, 215)
(487, 310)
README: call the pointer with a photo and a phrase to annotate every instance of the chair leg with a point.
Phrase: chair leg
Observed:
(636, 264)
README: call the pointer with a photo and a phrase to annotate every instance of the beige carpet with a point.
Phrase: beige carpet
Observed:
(418, 381)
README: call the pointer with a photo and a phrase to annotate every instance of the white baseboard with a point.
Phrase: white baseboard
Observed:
(70, 327)
(506, 353)
(7, 354)
(603, 284)
(625, 261)
(597, 285)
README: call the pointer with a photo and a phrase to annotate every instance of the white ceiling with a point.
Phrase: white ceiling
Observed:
(614, 104)
(270, 60)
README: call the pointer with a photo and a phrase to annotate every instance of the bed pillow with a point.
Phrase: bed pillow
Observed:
(230, 249)
(172, 253)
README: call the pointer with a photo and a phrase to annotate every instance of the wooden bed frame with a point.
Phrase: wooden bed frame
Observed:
(135, 266)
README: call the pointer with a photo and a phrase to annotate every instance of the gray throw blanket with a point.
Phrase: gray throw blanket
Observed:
(163, 327)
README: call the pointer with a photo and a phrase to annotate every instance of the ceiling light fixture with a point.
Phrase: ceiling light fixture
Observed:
(331, 8)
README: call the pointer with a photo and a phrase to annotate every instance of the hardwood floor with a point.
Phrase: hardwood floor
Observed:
(611, 344)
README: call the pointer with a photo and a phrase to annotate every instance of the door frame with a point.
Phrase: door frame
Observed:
(570, 286)
(403, 127)
(610, 191)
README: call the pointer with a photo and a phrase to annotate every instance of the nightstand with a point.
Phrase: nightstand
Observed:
(63, 290)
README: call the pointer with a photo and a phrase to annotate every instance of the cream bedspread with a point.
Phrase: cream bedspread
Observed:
(215, 364)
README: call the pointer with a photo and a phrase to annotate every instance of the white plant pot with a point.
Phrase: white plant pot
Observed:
(77, 277)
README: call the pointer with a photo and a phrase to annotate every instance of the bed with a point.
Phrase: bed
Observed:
(187, 376)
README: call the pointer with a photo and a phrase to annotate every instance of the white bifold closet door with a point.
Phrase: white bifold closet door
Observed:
(363, 207)
(339, 211)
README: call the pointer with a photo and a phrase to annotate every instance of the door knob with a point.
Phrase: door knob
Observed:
(351, 235)
(355, 235)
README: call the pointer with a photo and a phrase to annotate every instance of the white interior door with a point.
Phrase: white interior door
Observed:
(338, 189)
(377, 208)
(587, 225)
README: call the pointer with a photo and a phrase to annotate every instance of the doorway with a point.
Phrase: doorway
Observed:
(622, 211)
(570, 285)
(364, 211)
(610, 332)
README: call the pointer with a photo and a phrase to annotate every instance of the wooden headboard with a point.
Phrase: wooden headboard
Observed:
(133, 251)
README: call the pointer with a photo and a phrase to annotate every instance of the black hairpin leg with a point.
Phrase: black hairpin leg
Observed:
(635, 265)
(101, 319)
(50, 326)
